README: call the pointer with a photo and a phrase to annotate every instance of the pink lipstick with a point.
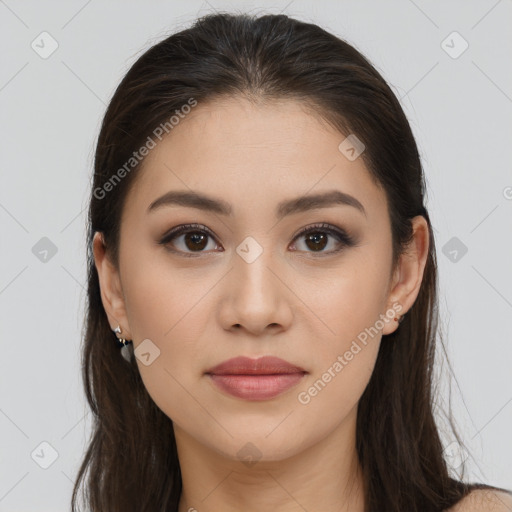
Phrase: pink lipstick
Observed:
(255, 379)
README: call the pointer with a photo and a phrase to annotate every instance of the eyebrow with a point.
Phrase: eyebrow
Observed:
(290, 206)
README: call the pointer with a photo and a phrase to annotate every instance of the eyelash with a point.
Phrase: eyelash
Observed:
(343, 238)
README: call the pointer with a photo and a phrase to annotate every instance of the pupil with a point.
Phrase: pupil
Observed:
(195, 238)
(316, 237)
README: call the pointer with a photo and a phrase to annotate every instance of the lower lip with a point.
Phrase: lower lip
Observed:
(256, 387)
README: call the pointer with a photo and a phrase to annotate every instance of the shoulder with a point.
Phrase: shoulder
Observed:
(484, 500)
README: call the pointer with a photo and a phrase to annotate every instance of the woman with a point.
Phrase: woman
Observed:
(260, 247)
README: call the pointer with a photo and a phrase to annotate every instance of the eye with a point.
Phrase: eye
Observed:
(188, 239)
(318, 237)
(194, 238)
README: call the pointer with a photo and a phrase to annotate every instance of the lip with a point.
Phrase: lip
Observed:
(255, 379)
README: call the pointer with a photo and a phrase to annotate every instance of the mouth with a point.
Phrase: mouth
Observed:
(255, 379)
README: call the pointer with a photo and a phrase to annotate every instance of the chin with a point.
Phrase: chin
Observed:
(260, 443)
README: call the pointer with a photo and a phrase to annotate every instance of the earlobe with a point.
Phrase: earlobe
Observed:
(408, 276)
(110, 286)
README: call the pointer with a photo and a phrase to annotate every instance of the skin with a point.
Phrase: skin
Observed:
(291, 302)
(484, 500)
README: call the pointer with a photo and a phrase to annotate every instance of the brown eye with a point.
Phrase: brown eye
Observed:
(195, 240)
(316, 241)
(318, 237)
(188, 239)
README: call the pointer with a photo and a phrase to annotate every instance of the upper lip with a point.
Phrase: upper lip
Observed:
(267, 365)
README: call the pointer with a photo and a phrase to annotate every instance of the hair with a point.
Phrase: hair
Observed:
(131, 461)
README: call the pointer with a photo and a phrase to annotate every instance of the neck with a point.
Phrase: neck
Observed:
(324, 476)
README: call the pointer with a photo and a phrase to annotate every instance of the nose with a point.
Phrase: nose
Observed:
(255, 297)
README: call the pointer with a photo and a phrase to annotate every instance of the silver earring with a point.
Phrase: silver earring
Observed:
(125, 345)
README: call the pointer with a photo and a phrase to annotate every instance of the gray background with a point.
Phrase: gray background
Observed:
(459, 107)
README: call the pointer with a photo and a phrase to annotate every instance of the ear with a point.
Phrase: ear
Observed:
(110, 285)
(408, 275)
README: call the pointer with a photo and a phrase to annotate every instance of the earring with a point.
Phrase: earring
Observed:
(399, 319)
(126, 345)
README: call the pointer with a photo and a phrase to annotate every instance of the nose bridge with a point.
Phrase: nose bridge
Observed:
(251, 270)
(256, 296)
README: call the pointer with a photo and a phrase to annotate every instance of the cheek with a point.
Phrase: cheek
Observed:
(343, 362)
(350, 308)
(170, 309)
(163, 302)
(344, 302)
(327, 399)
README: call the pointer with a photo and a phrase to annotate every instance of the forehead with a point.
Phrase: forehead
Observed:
(253, 152)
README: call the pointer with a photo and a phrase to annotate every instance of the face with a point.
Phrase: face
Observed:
(260, 274)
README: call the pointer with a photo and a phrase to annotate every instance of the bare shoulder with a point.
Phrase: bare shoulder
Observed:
(484, 500)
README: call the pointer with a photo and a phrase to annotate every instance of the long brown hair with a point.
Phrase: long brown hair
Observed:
(131, 461)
